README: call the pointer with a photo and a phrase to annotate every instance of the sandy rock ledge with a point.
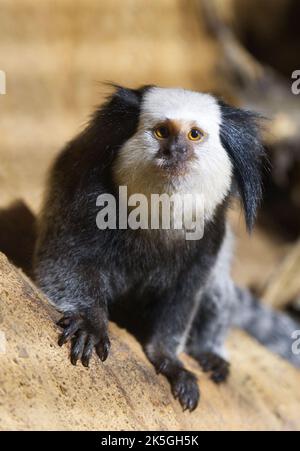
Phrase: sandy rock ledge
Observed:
(40, 389)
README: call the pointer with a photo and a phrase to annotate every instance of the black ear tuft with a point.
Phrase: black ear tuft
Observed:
(110, 126)
(117, 119)
(240, 136)
(123, 103)
(124, 100)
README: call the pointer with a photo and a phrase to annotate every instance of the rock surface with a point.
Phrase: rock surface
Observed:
(40, 389)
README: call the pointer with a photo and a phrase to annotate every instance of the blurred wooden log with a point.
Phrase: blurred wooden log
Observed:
(254, 84)
(284, 284)
(238, 59)
(40, 389)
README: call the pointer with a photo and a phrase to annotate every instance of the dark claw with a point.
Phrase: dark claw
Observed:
(102, 348)
(185, 388)
(163, 366)
(181, 391)
(77, 347)
(85, 334)
(192, 405)
(87, 352)
(68, 332)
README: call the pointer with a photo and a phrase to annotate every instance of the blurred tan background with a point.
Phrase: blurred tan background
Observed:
(57, 53)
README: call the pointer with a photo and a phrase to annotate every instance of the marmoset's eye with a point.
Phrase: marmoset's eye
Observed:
(195, 134)
(161, 132)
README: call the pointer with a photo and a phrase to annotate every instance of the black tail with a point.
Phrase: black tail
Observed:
(271, 328)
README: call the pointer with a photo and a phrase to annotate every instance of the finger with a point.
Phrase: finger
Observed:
(88, 351)
(102, 348)
(68, 333)
(77, 347)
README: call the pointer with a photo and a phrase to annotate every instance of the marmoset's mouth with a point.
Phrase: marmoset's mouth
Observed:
(172, 168)
(175, 164)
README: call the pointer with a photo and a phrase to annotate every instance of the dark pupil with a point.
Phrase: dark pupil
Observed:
(194, 133)
(163, 131)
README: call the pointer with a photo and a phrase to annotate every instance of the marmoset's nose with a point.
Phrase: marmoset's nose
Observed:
(175, 149)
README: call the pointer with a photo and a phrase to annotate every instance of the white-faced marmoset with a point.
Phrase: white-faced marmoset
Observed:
(174, 294)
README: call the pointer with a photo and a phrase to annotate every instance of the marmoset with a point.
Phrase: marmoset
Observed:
(174, 294)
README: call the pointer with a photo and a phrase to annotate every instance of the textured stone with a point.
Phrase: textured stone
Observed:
(40, 389)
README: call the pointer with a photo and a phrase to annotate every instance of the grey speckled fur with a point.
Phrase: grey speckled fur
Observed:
(271, 328)
(225, 305)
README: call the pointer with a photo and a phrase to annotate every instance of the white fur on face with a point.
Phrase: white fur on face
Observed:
(209, 174)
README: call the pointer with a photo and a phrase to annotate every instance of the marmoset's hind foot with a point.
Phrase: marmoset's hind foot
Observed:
(214, 364)
(184, 385)
(185, 389)
(85, 335)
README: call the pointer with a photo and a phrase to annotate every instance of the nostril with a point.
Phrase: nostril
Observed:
(167, 151)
